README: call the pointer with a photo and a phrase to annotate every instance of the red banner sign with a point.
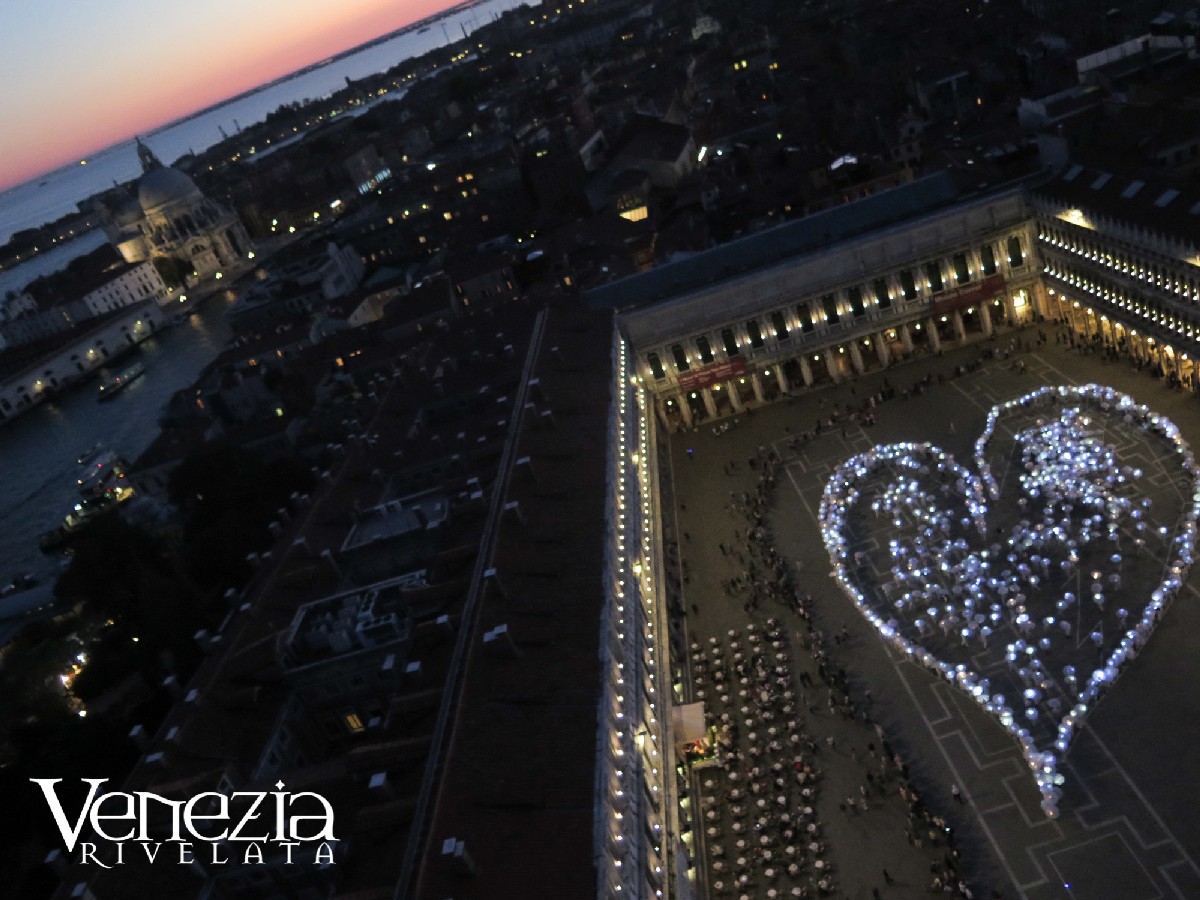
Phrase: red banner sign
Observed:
(969, 296)
(717, 372)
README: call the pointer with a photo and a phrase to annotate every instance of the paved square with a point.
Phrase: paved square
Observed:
(1130, 771)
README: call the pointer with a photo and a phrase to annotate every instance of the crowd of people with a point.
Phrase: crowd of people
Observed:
(767, 690)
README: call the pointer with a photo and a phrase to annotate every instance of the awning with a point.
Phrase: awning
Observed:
(688, 723)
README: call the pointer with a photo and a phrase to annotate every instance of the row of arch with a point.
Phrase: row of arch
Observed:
(842, 307)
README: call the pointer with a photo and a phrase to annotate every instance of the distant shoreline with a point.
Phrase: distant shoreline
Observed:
(312, 67)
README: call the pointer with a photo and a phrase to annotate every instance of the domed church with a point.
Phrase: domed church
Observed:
(170, 217)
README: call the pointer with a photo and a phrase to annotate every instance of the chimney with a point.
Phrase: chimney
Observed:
(454, 851)
(58, 863)
(157, 759)
(381, 786)
(204, 640)
(493, 581)
(500, 643)
(173, 687)
(140, 739)
(525, 465)
(514, 508)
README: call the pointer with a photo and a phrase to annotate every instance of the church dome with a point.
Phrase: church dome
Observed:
(162, 186)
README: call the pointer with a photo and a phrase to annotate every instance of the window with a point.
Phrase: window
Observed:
(987, 258)
(705, 348)
(730, 342)
(962, 273)
(881, 293)
(908, 285)
(933, 274)
(352, 722)
(681, 362)
(856, 302)
(780, 326)
(804, 314)
(829, 305)
(1015, 256)
(755, 334)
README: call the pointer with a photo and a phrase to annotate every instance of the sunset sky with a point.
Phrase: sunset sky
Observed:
(79, 75)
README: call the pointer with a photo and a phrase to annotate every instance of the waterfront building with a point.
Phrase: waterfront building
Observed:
(29, 375)
(169, 217)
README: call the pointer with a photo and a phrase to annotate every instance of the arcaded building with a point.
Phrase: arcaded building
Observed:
(913, 270)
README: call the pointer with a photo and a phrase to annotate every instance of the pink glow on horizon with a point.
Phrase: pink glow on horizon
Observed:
(89, 90)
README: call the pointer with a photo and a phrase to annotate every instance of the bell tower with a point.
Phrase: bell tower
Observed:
(146, 156)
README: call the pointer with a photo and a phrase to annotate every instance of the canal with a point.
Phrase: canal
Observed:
(38, 451)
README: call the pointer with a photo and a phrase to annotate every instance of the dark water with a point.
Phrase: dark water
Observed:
(38, 451)
(50, 196)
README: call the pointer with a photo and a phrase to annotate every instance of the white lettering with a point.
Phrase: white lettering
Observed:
(126, 815)
(216, 855)
(326, 832)
(144, 798)
(280, 818)
(288, 847)
(253, 854)
(248, 816)
(324, 855)
(69, 835)
(87, 853)
(185, 853)
(190, 816)
(150, 854)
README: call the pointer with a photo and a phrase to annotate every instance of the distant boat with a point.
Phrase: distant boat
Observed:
(110, 389)
(91, 453)
(422, 30)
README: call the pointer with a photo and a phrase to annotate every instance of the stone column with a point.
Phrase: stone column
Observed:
(831, 365)
(756, 383)
(660, 408)
(882, 350)
(1010, 311)
(985, 318)
(960, 328)
(709, 403)
(1042, 303)
(856, 358)
(685, 409)
(906, 339)
(935, 340)
(734, 397)
(805, 371)
(781, 377)
(1073, 311)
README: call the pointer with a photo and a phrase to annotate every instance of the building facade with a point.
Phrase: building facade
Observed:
(817, 302)
(87, 350)
(169, 217)
(833, 312)
(133, 284)
(1120, 261)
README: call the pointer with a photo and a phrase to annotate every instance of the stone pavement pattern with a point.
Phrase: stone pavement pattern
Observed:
(1127, 829)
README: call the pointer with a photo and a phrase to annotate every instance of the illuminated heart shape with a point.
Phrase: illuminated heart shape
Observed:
(1049, 582)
